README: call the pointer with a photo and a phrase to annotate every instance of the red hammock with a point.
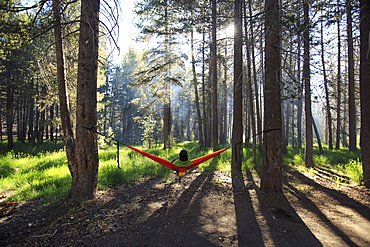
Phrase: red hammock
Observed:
(181, 171)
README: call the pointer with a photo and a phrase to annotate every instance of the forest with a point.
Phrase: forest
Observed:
(262, 78)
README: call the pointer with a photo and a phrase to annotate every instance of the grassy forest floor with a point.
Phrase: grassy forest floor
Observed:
(202, 210)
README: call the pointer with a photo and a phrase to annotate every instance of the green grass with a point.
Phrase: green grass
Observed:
(44, 175)
(342, 161)
(32, 172)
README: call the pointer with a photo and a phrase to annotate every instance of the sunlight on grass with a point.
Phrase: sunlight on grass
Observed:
(342, 162)
(45, 174)
(352, 169)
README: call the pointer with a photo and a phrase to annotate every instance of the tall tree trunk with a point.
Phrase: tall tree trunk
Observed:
(237, 133)
(223, 109)
(307, 86)
(300, 99)
(166, 125)
(328, 107)
(339, 86)
(42, 126)
(254, 70)
(195, 84)
(214, 77)
(285, 127)
(85, 171)
(351, 81)
(9, 114)
(272, 138)
(365, 89)
(65, 115)
(317, 134)
(205, 99)
(252, 116)
(51, 133)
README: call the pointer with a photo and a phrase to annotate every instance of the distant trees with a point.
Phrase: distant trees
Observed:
(118, 107)
(164, 66)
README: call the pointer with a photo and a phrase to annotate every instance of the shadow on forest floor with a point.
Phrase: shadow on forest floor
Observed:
(204, 209)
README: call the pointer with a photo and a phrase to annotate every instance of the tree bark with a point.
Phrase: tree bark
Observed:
(307, 87)
(68, 135)
(214, 77)
(237, 134)
(85, 171)
(351, 82)
(317, 134)
(254, 70)
(195, 84)
(327, 100)
(252, 115)
(339, 85)
(365, 89)
(166, 125)
(272, 138)
(9, 115)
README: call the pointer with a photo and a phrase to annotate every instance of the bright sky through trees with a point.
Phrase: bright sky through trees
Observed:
(127, 32)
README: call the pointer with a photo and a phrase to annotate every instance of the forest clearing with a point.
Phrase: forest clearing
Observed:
(203, 210)
(320, 207)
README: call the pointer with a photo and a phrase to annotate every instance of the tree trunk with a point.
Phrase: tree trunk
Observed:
(9, 115)
(251, 113)
(42, 126)
(253, 57)
(300, 92)
(166, 125)
(195, 83)
(85, 171)
(317, 134)
(307, 87)
(51, 133)
(205, 99)
(339, 93)
(351, 81)
(214, 77)
(62, 91)
(365, 89)
(272, 138)
(223, 108)
(237, 134)
(328, 108)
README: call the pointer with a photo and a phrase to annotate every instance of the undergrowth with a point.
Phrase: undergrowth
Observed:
(338, 163)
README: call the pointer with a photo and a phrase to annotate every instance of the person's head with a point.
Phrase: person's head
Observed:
(183, 155)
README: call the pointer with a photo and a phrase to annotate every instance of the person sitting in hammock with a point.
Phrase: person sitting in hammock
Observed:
(181, 166)
(183, 160)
